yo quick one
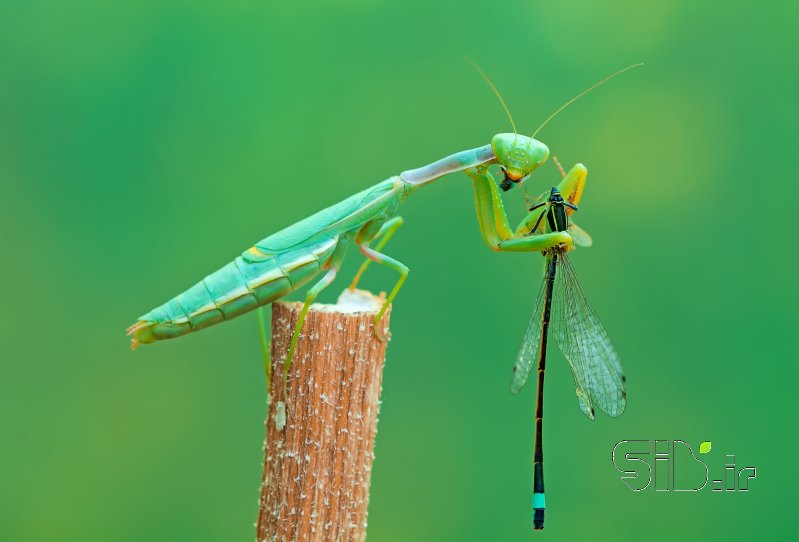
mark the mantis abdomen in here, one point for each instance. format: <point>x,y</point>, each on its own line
<point>275,266</point>
<point>235,289</point>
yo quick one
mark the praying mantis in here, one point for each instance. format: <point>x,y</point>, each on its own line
<point>314,248</point>
<point>291,258</point>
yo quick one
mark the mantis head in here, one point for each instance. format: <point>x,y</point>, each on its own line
<point>517,155</point>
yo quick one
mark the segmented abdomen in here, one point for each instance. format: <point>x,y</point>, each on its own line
<point>237,288</point>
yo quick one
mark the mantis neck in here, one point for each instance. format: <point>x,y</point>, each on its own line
<point>451,164</point>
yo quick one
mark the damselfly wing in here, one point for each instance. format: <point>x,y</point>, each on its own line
<point>581,337</point>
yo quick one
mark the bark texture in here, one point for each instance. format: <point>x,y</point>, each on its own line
<point>317,469</point>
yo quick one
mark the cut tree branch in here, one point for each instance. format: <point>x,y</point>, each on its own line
<point>317,469</point>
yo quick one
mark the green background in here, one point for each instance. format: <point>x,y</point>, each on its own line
<point>144,144</point>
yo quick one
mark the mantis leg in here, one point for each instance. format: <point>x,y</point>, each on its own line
<point>536,243</point>
<point>493,220</point>
<point>310,296</point>
<point>264,345</point>
<point>386,231</point>
<point>399,267</point>
<point>571,187</point>
<point>491,216</point>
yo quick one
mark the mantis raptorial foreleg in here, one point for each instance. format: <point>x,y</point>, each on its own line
<point>385,233</point>
<point>493,220</point>
<point>571,188</point>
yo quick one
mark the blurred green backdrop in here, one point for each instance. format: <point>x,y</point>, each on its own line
<point>144,144</point>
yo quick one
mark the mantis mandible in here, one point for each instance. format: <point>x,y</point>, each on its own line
<point>293,257</point>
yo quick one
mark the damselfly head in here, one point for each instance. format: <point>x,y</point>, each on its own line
<point>517,155</point>
<point>554,195</point>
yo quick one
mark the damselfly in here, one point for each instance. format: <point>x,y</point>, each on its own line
<point>562,311</point>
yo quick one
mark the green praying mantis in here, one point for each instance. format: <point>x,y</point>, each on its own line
<point>314,249</point>
<point>291,258</point>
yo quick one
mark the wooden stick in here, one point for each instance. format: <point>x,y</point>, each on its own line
<point>317,469</point>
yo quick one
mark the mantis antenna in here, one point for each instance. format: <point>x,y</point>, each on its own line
<point>583,93</point>
<point>487,80</point>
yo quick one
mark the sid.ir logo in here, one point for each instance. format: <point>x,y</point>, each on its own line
<point>671,465</point>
